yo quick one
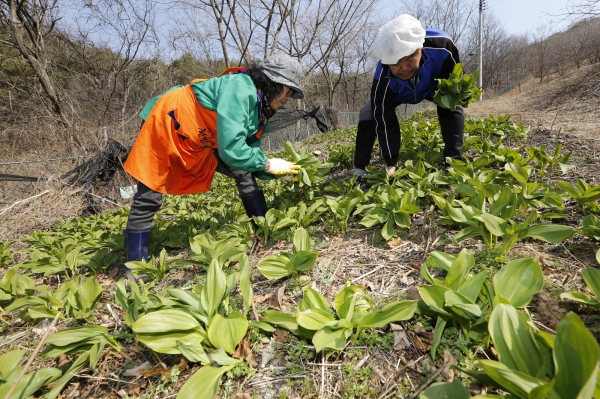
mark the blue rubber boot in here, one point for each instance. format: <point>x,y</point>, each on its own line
<point>136,248</point>
<point>255,203</point>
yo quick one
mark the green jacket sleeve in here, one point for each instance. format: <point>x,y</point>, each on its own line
<point>150,104</point>
<point>237,117</point>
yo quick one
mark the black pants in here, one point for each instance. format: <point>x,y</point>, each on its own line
<point>146,202</point>
<point>452,124</point>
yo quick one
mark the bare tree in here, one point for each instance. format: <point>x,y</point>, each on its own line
<point>583,8</point>
<point>452,16</point>
<point>117,44</point>
<point>30,23</point>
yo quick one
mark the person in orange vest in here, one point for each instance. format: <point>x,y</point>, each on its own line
<point>212,125</point>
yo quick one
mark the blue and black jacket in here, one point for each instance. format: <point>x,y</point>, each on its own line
<point>438,58</point>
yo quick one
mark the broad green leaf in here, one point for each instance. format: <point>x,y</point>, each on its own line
<point>9,363</point>
<point>304,260</point>
<point>592,279</point>
<point>221,358</point>
<point>25,301</point>
<point>192,350</point>
<point>459,269</point>
<point>204,383</point>
<point>333,336</point>
<point>245,285</point>
<point>263,326</point>
<point>514,341</point>
<point>433,296</point>
<point>446,390</point>
<point>575,359</point>
<point>301,240</point>
<point>165,321</point>
<point>518,281</point>
<point>75,368</point>
<point>493,224</point>
<point>76,335</point>
<point>30,383</point>
<point>581,298</point>
<point>227,332</point>
<point>314,319</point>
<point>313,300</point>
<point>440,324</point>
<point>363,300</point>
<point>548,232</point>
<point>280,319</point>
<point>214,289</point>
<point>346,311</point>
<point>472,286</point>
<point>275,267</point>
<point>440,260</point>
<point>167,342</point>
<point>395,311</point>
<point>387,232</point>
<point>513,381</point>
<point>462,306</point>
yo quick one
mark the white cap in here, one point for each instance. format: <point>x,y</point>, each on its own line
<point>400,37</point>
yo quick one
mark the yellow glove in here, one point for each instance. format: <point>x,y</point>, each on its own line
<point>280,167</point>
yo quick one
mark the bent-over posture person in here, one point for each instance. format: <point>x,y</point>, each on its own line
<point>411,59</point>
<point>214,125</point>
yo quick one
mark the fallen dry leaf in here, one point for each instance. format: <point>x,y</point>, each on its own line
<point>412,293</point>
<point>276,302</point>
<point>62,360</point>
<point>261,298</point>
<point>244,351</point>
<point>138,371</point>
<point>281,336</point>
<point>401,342</point>
<point>396,242</point>
<point>243,396</point>
<point>447,372</point>
<point>136,386</point>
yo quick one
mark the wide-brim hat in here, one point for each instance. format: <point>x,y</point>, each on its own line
<point>285,70</point>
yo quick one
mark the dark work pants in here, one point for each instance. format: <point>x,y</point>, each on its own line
<point>452,124</point>
<point>146,202</point>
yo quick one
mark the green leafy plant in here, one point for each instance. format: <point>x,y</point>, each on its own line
<point>465,299</point>
<point>156,269</point>
<point>583,193</point>
<point>353,307</point>
<point>390,207</point>
<point>591,276</point>
<point>76,298</point>
<point>458,89</point>
<point>10,370</point>
<point>534,364</point>
<point>284,264</point>
<point>88,340</point>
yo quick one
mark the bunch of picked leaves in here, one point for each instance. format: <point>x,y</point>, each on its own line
<point>458,89</point>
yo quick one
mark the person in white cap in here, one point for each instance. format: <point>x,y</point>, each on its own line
<point>210,125</point>
<point>411,59</point>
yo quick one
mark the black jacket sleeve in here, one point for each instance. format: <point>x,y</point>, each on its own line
<point>385,119</point>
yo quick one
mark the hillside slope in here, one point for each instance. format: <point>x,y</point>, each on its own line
<point>569,103</point>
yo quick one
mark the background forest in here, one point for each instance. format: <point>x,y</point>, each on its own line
<point>68,66</point>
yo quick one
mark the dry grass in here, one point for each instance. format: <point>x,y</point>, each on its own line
<point>49,203</point>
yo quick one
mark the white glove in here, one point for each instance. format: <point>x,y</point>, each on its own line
<point>278,167</point>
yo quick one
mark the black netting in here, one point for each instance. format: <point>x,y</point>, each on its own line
<point>324,117</point>
<point>101,168</point>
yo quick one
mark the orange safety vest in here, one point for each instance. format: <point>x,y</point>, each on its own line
<point>174,152</point>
